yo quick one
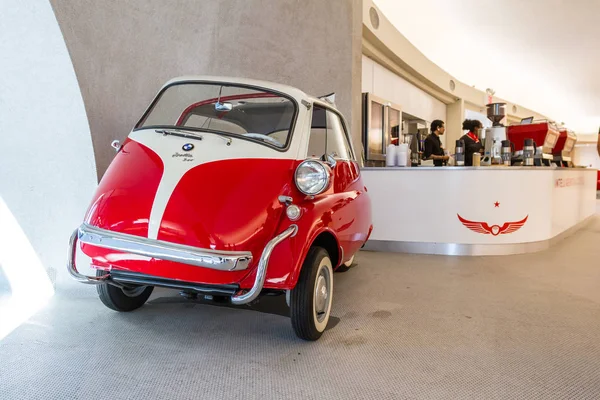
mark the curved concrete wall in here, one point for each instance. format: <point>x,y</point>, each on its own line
<point>47,169</point>
<point>124,51</point>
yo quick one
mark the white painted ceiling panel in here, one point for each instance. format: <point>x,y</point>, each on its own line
<point>541,54</point>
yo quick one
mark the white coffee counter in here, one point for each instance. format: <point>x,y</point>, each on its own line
<point>419,210</point>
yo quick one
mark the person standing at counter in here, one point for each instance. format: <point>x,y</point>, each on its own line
<point>471,139</point>
<point>433,145</point>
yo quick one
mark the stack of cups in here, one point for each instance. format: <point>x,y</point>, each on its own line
<point>390,156</point>
<point>402,155</point>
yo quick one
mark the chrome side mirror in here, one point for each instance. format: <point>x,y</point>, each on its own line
<point>328,158</point>
<point>223,107</point>
<point>116,145</point>
<point>331,160</point>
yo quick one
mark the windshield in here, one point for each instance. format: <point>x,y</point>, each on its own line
<point>261,116</point>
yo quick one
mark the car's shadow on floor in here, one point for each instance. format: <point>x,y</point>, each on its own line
<point>274,305</point>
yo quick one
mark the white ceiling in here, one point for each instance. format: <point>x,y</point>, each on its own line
<point>541,54</point>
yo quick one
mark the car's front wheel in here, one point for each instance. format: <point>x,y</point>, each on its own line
<point>311,299</point>
<point>123,299</point>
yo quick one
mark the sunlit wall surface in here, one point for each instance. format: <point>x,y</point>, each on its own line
<point>30,286</point>
<point>541,54</point>
<point>47,170</point>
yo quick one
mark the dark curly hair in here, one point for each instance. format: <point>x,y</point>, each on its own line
<point>471,125</point>
<point>436,124</point>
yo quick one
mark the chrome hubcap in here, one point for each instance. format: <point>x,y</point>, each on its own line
<point>134,292</point>
<point>322,294</point>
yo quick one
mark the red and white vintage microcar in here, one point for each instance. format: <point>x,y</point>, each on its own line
<point>229,188</point>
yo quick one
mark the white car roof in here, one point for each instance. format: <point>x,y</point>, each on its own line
<point>289,90</point>
<point>292,91</point>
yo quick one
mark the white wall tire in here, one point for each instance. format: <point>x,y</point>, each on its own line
<point>349,262</point>
<point>312,298</point>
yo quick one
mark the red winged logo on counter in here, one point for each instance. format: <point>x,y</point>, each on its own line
<point>485,229</point>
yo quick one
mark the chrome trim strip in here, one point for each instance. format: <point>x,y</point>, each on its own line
<point>73,269</point>
<point>219,260</point>
<point>461,249</point>
<point>261,270</point>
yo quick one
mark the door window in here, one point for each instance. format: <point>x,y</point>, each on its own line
<point>328,135</point>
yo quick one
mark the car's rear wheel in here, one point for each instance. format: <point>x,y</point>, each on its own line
<point>123,299</point>
<point>345,266</point>
<point>311,299</point>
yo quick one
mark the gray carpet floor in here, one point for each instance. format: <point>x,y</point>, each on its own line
<point>404,327</point>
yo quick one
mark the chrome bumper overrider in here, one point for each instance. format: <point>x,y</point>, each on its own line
<point>218,260</point>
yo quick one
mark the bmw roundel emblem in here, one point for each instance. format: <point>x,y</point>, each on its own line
<point>187,147</point>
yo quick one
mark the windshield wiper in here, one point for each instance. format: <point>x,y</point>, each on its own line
<point>176,132</point>
<point>192,135</point>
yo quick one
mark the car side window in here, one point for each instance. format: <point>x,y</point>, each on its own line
<point>342,136</point>
<point>327,135</point>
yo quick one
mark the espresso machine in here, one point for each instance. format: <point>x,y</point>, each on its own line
<point>494,136</point>
<point>564,147</point>
<point>544,135</point>
<point>416,134</point>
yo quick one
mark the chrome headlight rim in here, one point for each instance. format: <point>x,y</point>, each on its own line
<point>326,170</point>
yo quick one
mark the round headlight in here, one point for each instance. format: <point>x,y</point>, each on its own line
<point>312,177</point>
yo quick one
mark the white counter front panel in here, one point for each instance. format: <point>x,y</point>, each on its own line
<point>574,198</point>
<point>424,204</point>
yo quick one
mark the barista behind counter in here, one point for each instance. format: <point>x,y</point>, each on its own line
<point>433,145</point>
<point>471,139</point>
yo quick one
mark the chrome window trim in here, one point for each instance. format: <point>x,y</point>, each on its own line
<point>293,125</point>
<point>344,125</point>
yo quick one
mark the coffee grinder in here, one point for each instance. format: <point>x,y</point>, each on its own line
<point>495,135</point>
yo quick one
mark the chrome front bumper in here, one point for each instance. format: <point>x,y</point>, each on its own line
<point>218,260</point>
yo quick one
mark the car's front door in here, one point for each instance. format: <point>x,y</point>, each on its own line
<point>329,137</point>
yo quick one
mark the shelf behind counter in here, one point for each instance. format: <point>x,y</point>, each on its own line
<point>487,210</point>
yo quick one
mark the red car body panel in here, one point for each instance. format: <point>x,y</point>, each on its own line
<point>227,205</point>
<point>123,200</point>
